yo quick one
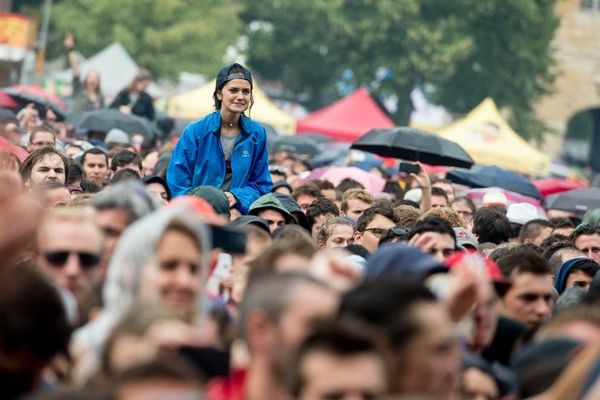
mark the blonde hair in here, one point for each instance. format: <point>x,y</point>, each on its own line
<point>447,214</point>
<point>74,215</point>
<point>357,194</point>
<point>406,215</point>
<point>78,215</point>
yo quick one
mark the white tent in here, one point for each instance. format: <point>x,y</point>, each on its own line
<point>116,67</point>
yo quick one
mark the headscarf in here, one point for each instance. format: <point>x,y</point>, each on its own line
<point>137,250</point>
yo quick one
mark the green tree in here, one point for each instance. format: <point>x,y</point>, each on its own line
<point>511,59</point>
<point>308,46</point>
<point>165,36</point>
<point>468,49</point>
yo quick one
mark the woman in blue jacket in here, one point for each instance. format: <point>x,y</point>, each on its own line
<point>224,149</point>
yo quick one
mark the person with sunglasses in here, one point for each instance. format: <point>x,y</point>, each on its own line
<point>68,250</point>
<point>372,225</point>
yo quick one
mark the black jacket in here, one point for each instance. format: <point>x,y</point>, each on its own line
<point>143,107</point>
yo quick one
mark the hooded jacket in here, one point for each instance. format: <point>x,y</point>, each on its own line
<point>198,160</point>
<point>560,279</point>
<point>271,201</point>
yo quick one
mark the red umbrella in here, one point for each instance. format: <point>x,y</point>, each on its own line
<point>8,102</point>
<point>16,151</point>
<point>40,92</point>
<point>550,186</point>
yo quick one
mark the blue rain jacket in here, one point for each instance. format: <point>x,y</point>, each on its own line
<point>198,160</point>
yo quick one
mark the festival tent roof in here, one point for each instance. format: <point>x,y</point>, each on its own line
<point>488,139</point>
<point>198,102</point>
<point>347,119</point>
<point>115,65</point>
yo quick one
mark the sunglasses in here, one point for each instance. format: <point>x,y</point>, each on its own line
<point>59,258</point>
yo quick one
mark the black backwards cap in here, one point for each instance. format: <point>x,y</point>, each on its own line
<point>231,72</point>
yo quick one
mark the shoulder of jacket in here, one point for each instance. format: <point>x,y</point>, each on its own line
<point>205,125</point>
<point>253,127</point>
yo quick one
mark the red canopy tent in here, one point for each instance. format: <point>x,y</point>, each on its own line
<point>347,119</point>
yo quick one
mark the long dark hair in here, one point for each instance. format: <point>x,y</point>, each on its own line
<point>142,75</point>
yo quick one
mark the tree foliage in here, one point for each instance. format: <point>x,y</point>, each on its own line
<point>467,49</point>
<point>511,59</point>
<point>165,36</point>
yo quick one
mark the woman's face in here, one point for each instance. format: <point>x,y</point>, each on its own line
<point>176,278</point>
<point>142,85</point>
<point>235,96</point>
<point>92,81</point>
<point>159,191</point>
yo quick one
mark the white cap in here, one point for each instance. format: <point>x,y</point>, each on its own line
<point>117,136</point>
<point>521,213</point>
<point>495,197</point>
<point>413,195</point>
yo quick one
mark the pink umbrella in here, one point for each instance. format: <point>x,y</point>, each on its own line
<point>477,196</point>
<point>335,175</point>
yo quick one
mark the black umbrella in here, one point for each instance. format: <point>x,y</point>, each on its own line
<point>481,176</point>
<point>578,201</point>
<point>41,103</point>
<point>413,144</point>
<point>317,137</point>
<point>105,119</point>
<point>298,145</point>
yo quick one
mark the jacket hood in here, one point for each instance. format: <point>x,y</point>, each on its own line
<point>560,279</point>
<point>271,201</point>
<point>136,252</point>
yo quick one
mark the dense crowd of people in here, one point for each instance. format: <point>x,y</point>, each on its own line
<point>201,266</point>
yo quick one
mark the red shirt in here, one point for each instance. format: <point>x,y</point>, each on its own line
<point>230,388</point>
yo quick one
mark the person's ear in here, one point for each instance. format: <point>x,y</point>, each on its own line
<point>357,237</point>
<point>219,95</point>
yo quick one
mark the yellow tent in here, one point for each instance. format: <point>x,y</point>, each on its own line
<point>198,102</point>
<point>487,138</point>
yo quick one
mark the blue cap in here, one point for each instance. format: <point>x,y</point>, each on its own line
<point>400,260</point>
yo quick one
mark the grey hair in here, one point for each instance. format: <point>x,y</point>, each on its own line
<point>133,197</point>
<point>272,294</point>
<point>327,228</point>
